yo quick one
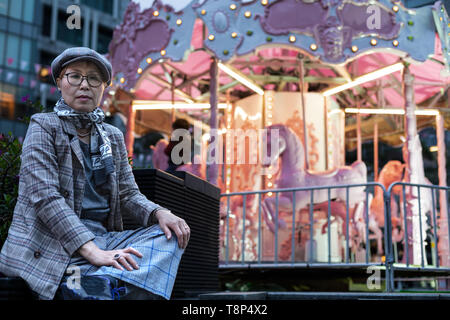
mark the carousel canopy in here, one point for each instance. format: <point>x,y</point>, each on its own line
<point>163,49</point>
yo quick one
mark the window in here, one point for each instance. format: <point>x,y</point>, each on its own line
<point>104,38</point>
<point>12,51</point>
<point>4,7</point>
<point>46,20</point>
<point>101,5</point>
<point>15,9</point>
<point>2,45</point>
<point>28,13</point>
<point>25,55</point>
<point>73,37</point>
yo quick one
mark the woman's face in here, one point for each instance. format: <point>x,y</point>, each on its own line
<point>82,97</point>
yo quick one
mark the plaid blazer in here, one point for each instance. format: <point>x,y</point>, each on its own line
<point>46,229</point>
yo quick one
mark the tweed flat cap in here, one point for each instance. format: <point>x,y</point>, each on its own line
<point>72,55</point>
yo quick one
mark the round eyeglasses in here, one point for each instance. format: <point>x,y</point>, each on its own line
<point>75,79</point>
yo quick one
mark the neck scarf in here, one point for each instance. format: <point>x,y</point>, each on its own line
<point>101,155</point>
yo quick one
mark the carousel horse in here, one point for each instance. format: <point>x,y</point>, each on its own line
<point>415,204</point>
<point>392,172</point>
<point>290,151</point>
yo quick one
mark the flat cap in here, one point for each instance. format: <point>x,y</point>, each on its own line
<point>76,54</point>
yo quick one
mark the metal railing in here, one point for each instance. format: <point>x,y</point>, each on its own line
<point>252,235</point>
<point>424,202</point>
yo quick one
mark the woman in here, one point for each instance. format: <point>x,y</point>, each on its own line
<point>66,237</point>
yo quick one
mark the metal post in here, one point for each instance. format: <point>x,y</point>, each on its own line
<point>305,131</point>
<point>444,251</point>
<point>212,167</point>
<point>389,258</point>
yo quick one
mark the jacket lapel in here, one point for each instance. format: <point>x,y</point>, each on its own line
<point>70,129</point>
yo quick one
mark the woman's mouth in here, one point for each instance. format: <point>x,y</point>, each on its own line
<point>84,98</point>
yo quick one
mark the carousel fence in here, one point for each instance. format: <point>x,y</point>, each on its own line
<point>236,229</point>
<point>429,208</point>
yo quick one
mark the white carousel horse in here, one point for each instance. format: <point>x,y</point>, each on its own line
<point>290,151</point>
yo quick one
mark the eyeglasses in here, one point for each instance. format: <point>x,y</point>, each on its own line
<point>75,79</point>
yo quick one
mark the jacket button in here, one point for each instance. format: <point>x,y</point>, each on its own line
<point>37,254</point>
<point>65,193</point>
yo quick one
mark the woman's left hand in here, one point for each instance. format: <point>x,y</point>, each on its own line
<point>168,221</point>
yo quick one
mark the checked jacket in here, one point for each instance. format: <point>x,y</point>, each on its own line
<point>46,229</point>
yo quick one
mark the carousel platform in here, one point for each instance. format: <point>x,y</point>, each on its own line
<point>321,296</point>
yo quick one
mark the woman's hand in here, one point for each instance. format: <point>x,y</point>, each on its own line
<point>168,221</point>
<point>119,259</point>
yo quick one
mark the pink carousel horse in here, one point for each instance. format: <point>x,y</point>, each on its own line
<point>290,151</point>
<point>293,175</point>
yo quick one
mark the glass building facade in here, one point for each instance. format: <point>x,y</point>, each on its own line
<point>32,34</point>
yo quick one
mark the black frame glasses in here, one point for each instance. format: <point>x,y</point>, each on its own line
<point>91,79</point>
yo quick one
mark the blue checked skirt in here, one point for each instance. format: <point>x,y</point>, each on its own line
<point>157,268</point>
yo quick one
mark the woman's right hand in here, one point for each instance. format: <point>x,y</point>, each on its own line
<point>119,259</point>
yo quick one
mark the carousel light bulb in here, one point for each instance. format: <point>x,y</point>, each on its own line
<point>247,14</point>
<point>163,52</point>
<point>156,13</point>
<point>395,8</point>
<point>269,184</point>
<point>179,22</point>
<point>234,35</point>
<point>203,12</point>
<point>354,48</point>
<point>270,194</point>
<point>149,60</point>
<point>373,42</point>
<point>264,2</point>
<point>139,70</point>
<point>232,6</point>
<point>211,37</point>
<point>269,176</point>
<point>395,43</point>
<point>313,47</point>
<point>292,39</point>
<point>122,80</point>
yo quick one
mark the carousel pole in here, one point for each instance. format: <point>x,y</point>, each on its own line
<point>302,92</point>
<point>375,151</point>
<point>443,244</point>
<point>381,103</point>
<point>414,173</point>
<point>129,138</point>
<point>212,166</point>
<point>358,132</point>
<point>172,87</point>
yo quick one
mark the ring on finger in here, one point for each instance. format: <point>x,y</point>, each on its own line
<point>117,256</point>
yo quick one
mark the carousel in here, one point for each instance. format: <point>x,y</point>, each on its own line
<point>277,92</point>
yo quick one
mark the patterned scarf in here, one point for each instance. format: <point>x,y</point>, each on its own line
<point>101,155</point>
